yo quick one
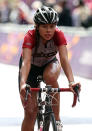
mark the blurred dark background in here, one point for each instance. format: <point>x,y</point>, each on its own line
<point>71,12</point>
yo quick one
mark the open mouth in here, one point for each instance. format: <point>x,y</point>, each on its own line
<point>48,36</point>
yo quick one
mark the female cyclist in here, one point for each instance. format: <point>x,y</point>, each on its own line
<point>38,57</point>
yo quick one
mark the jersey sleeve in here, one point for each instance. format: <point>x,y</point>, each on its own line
<point>28,41</point>
<point>59,38</point>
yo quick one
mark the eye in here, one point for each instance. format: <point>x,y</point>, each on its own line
<point>52,26</point>
<point>44,26</point>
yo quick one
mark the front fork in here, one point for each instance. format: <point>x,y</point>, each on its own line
<point>40,118</point>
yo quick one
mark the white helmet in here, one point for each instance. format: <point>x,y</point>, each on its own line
<point>46,15</point>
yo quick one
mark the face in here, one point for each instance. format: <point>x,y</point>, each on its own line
<point>47,31</point>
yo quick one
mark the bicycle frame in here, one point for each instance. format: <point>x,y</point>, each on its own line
<point>49,89</point>
<point>44,114</point>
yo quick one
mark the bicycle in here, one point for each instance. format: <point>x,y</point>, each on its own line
<point>45,116</point>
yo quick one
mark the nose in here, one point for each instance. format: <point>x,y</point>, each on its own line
<point>48,29</point>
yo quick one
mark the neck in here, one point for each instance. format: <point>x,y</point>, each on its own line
<point>43,40</point>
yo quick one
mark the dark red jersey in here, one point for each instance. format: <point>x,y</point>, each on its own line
<point>44,53</point>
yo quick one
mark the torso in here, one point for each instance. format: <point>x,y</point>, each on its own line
<point>45,52</point>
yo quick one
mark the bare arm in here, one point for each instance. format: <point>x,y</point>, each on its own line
<point>26,65</point>
<point>65,63</point>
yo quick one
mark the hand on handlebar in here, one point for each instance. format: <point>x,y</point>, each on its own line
<point>25,95</point>
<point>75,88</point>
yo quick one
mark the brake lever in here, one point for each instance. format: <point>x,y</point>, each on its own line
<point>76,89</point>
<point>27,92</point>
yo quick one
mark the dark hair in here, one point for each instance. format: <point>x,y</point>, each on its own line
<point>37,36</point>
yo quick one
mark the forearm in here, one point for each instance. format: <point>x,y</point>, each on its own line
<point>24,72</point>
<point>67,70</point>
<point>65,63</point>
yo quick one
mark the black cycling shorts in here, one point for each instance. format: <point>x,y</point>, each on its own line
<point>35,71</point>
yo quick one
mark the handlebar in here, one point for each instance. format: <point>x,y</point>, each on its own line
<point>49,89</point>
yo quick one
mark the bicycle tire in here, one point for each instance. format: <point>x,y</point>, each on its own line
<point>50,122</point>
<point>39,119</point>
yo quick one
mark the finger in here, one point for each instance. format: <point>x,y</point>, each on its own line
<point>25,104</point>
<point>29,96</point>
<point>23,92</point>
<point>72,89</point>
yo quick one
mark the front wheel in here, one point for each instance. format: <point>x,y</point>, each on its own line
<point>50,123</point>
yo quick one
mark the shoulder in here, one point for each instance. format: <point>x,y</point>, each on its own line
<point>59,38</point>
<point>29,39</point>
<point>58,32</point>
<point>30,34</point>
